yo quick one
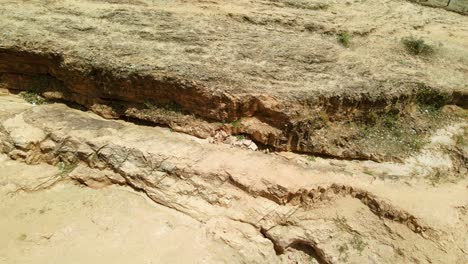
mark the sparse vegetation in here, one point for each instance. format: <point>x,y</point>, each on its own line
<point>324,118</point>
<point>311,158</point>
<point>390,119</point>
<point>149,105</point>
<point>240,137</point>
<point>237,123</point>
<point>171,108</point>
<point>431,99</point>
<point>417,46</point>
<point>460,140</point>
<point>344,38</point>
<point>33,98</point>
<point>390,134</point>
<point>65,168</point>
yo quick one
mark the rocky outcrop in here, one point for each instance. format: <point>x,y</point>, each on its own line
<point>459,6</point>
<point>206,181</point>
<point>190,107</point>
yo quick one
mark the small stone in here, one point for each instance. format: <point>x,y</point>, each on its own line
<point>253,146</point>
<point>246,142</point>
<point>47,145</point>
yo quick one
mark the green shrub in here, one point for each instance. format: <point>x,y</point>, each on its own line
<point>431,99</point>
<point>417,46</point>
<point>236,123</point>
<point>344,38</point>
<point>33,98</point>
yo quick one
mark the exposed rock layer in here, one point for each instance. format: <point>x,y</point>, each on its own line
<point>313,209</point>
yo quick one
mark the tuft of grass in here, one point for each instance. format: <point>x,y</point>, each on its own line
<point>311,158</point>
<point>344,38</point>
<point>417,46</point>
<point>431,99</point>
<point>240,137</point>
<point>460,140</point>
<point>390,133</point>
<point>390,119</point>
<point>324,118</point>
<point>172,107</point>
<point>65,168</point>
<point>33,98</point>
<point>149,105</point>
<point>236,123</point>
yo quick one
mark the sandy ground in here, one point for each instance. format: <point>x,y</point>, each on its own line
<point>73,224</point>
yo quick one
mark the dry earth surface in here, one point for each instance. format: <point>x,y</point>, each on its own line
<point>272,131</point>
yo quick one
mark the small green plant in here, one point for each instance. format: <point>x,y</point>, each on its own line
<point>33,98</point>
<point>240,137</point>
<point>417,46</point>
<point>344,38</point>
<point>431,99</point>
<point>236,123</point>
<point>358,243</point>
<point>417,143</point>
<point>311,158</point>
<point>390,119</point>
<point>172,107</point>
<point>460,140</point>
<point>65,168</point>
<point>324,118</point>
<point>149,105</point>
<point>372,118</point>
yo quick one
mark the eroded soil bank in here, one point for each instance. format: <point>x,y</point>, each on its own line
<point>271,131</point>
<point>241,205</point>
